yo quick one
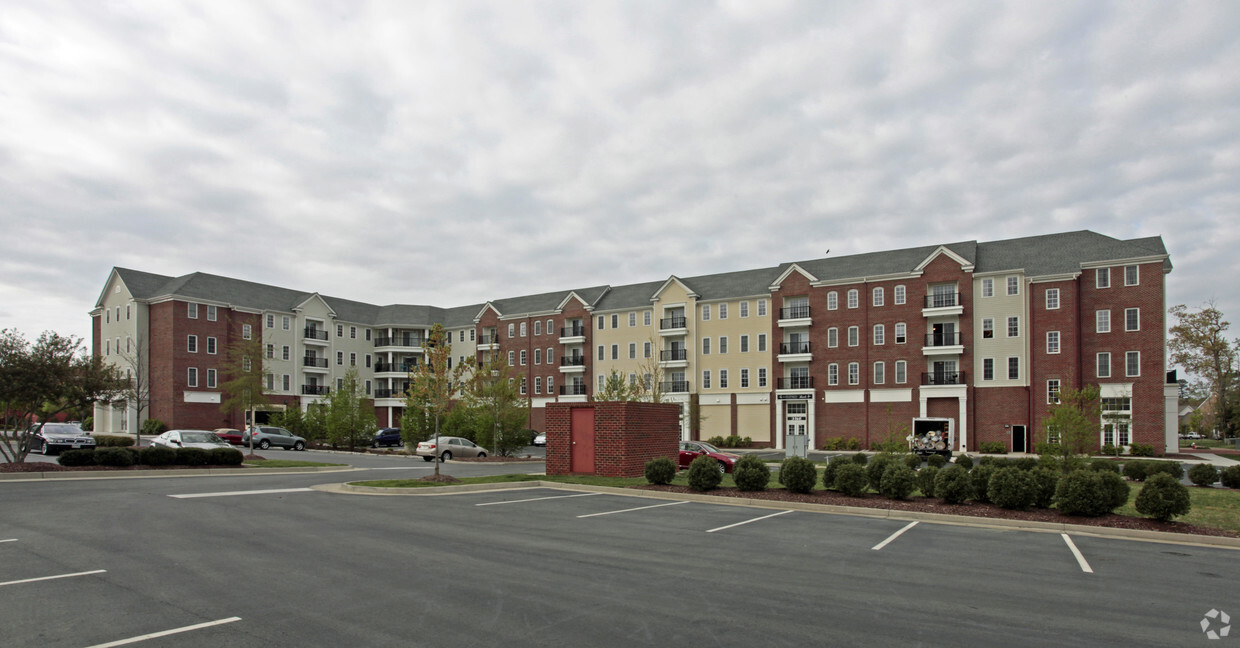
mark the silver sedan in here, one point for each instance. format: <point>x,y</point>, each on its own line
<point>449,447</point>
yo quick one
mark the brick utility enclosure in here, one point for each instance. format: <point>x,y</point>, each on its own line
<point>625,436</point>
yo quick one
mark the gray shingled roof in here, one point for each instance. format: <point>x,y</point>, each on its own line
<point>1063,253</point>
<point>874,264</point>
<point>628,296</point>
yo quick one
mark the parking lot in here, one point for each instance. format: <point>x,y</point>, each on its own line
<point>268,561</point>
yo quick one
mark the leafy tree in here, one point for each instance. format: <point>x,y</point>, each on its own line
<point>616,388</point>
<point>1076,418</point>
<point>350,418</point>
<point>137,366</point>
<point>649,387</point>
<point>50,376</point>
<point>293,420</point>
<point>492,401</point>
<point>314,422</point>
<point>432,384</point>
<point>1197,342</point>
<point>245,376</point>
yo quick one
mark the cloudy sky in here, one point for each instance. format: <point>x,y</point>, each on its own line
<point>451,152</point>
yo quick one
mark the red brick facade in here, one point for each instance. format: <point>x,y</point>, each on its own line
<point>626,436</point>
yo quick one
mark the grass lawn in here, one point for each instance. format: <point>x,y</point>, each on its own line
<point>288,463</point>
<point>1212,507</point>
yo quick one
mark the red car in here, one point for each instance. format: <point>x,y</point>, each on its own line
<point>690,450</point>
<point>230,435</point>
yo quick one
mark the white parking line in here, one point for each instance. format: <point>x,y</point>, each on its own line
<point>893,536</point>
<point>165,633</point>
<point>9,540</point>
<point>45,578</point>
<point>640,508</point>
<point>746,522</point>
<point>536,499</point>
<point>251,492</point>
<point>402,468</point>
<point>1080,559</point>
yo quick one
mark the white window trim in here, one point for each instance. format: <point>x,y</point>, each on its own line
<point>1138,313</point>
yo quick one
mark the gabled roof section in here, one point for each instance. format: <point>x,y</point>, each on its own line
<point>965,264</point>
<point>315,297</point>
<point>668,282</point>
<point>791,268</point>
<point>142,285</point>
<point>572,294</point>
<point>743,283</point>
<point>629,296</point>
<point>887,263</point>
<point>1064,253</point>
<point>544,302</point>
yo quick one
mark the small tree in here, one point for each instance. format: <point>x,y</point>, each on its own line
<point>1163,497</point>
<point>649,387</point>
<point>432,384</point>
<point>350,418</point>
<point>245,375</point>
<point>139,390</point>
<point>1076,418</point>
<point>495,405</point>
<point>51,376</point>
<point>616,388</point>
<point>1198,343</point>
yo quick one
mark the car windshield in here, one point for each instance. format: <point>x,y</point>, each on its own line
<point>707,447</point>
<point>199,437</point>
<point>61,428</point>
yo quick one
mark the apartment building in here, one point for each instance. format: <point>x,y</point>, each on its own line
<point>973,338</point>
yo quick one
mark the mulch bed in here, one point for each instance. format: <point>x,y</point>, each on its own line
<point>970,509</point>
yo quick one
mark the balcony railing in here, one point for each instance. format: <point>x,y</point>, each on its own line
<point>399,340</point>
<point>488,339</point>
<point>943,378</point>
<point>943,300</point>
<point>793,347</point>
<point>942,339</point>
<point>672,323</point>
<point>385,392</point>
<point>572,390</point>
<point>315,390</point>
<point>381,367</point>
<point>675,386</point>
<point>794,312</point>
<point>315,334</point>
<point>573,331</point>
<point>572,361</point>
<point>795,382</point>
<point>310,361</point>
<point>671,355</point>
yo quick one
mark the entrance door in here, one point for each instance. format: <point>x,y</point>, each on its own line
<point>1020,439</point>
<point>581,435</point>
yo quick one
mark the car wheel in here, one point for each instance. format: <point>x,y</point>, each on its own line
<point>374,444</point>
<point>446,456</point>
<point>482,454</point>
<point>299,446</point>
<point>427,458</point>
<point>723,468</point>
<point>264,444</point>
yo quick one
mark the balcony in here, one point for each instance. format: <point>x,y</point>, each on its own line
<point>392,367</point>
<point>389,393</point>
<point>315,335</point>
<point>943,344</point>
<point>488,342</point>
<point>573,335</point>
<point>572,390</point>
<point>572,363</point>
<point>794,351</point>
<point>411,341</point>
<point>795,382</point>
<point>314,362</point>
<point>943,378</point>
<point>315,390</point>
<point>794,316</point>
<point>674,386</point>
<point>942,304</point>
<point>674,357</point>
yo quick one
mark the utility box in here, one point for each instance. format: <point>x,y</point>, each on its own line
<point>610,438</point>
<point>796,445</point>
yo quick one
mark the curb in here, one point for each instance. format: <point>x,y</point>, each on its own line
<point>1164,537</point>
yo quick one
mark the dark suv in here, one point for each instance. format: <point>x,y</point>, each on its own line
<point>387,437</point>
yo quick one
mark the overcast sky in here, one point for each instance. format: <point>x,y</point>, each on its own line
<point>450,152</point>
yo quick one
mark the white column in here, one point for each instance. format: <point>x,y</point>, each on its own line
<point>964,423</point>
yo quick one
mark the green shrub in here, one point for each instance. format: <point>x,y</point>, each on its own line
<point>1044,482</point>
<point>953,485</point>
<point>1048,448</point>
<point>913,460</point>
<point>936,461</point>
<point>991,461</point>
<point>1230,476</point>
<point>113,457</point>
<point>981,481</point>
<point>875,469</point>
<point>925,480</point>
<point>750,473</point>
<point>833,466</point>
<point>1111,450</point>
<point>861,458</point>
<point>992,447</point>
<point>964,461</point>
<point>76,458</point>
<point>1135,470</point>
<point>798,474</point>
<point>1024,463</point>
<point>1163,498</point>
<point>660,470</point>
<point>1104,464</point>
<point>1012,488</point>
<point>731,441</point>
<point>1082,492</point>
<point>1115,487</point>
<point>850,479</point>
<point>704,474</point>
<point>88,424</point>
<point>898,481</point>
<point>842,443</point>
<point>157,456</point>
<point>113,441</point>
<point>1173,468</point>
<point>890,446</point>
<point>1050,462</point>
<point>1203,474</point>
<point>194,456</point>
<point>231,457</point>
<point>1141,450</point>
<point>153,427</point>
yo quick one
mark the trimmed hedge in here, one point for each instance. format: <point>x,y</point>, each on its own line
<point>1012,488</point>
<point>964,461</point>
<point>1141,450</point>
<point>1135,470</point>
<point>992,447</point>
<point>842,443</point>
<point>953,485</point>
<point>153,427</point>
<point>157,456</point>
<point>850,479</point>
<point>1163,498</point>
<point>925,480</point>
<point>1090,493</point>
<point>225,457</point>
<point>1044,482</point>
<point>193,456</point>
<point>74,458</point>
<point>1230,476</point>
<point>704,474</point>
<point>751,474</point>
<point>913,460</point>
<point>832,468</point>
<point>936,461</point>
<point>113,441</point>
<point>1203,475</point>
<point>660,470</point>
<point>875,469</point>
<point>861,458</point>
<point>981,481</point>
<point>798,474</point>
<point>898,481</point>
<point>120,457</point>
<point>1104,464</point>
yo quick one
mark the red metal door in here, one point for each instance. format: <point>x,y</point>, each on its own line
<point>581,435</point>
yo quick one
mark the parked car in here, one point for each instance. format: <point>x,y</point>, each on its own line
<point>540,439</point>
<point>54,437</point>
<point>230,435</point>
<point>387,437</point>
<point>266,436</point>
<point>449,447</point>
<point>189,439</point>
<point>690,450</point>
